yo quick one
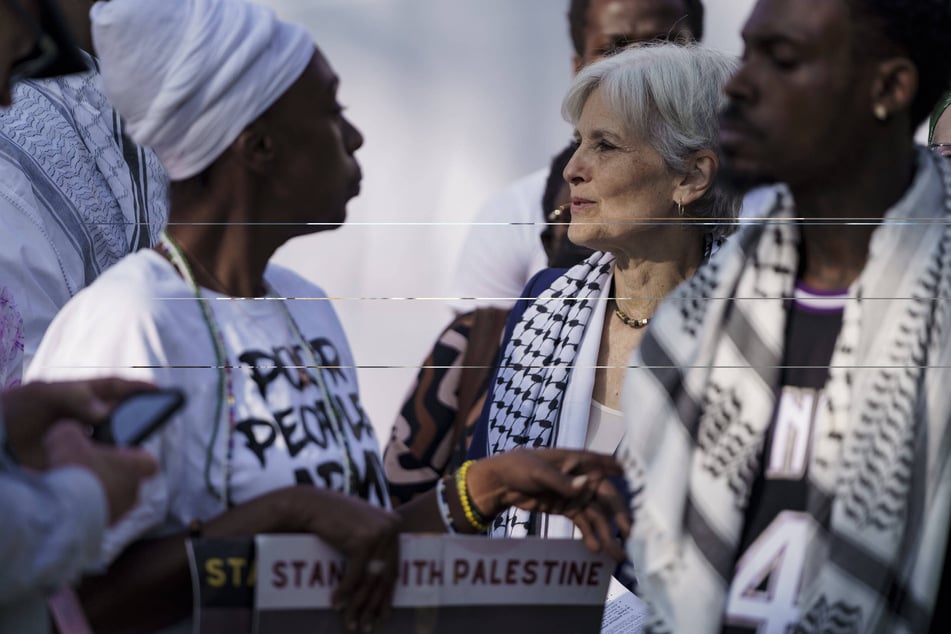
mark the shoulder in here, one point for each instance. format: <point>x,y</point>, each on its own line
<point>538,284</point>
<point>140,276</point>
<point>122,324</point>
<point>759,203</point>
<point>41,116</point>
<point>307,302</point>
<point>290,284</point>
<point>140,287</point>
<point>542,280</point>
<point>519,201</point>
<point>527,185</point>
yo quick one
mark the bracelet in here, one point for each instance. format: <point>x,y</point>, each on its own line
<point>443,503</point>
<point>476,520</point>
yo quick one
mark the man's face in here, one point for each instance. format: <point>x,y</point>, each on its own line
<point>613,24</point>
<point>800,101</point>
<point>16,39</point>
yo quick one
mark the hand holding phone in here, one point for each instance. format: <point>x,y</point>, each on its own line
<point>138,416</point>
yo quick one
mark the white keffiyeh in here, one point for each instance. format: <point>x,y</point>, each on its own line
<point>702,399</point>
<point>534,376</point>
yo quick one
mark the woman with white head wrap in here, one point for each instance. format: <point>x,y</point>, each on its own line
<point>241,109</point>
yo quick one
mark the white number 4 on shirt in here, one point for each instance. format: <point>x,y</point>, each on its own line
<point>766,583</point>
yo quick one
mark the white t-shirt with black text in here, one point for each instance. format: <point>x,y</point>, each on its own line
<point>141,320</point>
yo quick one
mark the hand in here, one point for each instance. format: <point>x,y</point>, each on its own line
<point>119,470</point>
<point>369,536</point>
<point>556,481</point>
<point>31,409</point>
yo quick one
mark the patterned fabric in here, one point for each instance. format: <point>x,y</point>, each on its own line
<point>75,196</point>
<point>420,448</point>
<point>538,361</point>
<point>700,405</point>
<point>11,338</point>
<point>95,180</point>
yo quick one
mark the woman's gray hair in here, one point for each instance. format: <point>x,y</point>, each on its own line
<point>670,95</point>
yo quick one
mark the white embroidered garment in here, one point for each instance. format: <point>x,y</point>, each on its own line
<point>503,248</point>
<point>76,195</point>
<point>542,394</point>
<point>141,320</point>
<point>701,400</point>
<point>214,66</point>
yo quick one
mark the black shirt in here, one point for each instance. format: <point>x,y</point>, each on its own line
<point>781,518</point>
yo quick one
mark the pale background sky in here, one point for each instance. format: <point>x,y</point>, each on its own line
<point>456,98</point>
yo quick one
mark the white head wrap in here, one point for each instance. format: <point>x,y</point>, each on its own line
<point>189,75</point>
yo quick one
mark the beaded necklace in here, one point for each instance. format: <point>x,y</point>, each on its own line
<point>626,319</point>
<point>173,253</point>
<point>336,418</point>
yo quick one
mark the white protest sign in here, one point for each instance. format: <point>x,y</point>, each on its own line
<point>435,570</point>
<point>446,583</point>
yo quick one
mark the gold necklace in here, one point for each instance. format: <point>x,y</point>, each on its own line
<point>630,321</point>
<point>625,319</point>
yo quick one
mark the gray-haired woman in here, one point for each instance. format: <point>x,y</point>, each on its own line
<point>644,196</point>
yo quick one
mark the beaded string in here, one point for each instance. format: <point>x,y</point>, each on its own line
<point>172,252</point>
<point>336,422</point>
<point>473,516</point>
<point>443,502</point>
<point>168,248</point>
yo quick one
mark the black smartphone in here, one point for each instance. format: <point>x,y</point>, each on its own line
<point>138,416</point>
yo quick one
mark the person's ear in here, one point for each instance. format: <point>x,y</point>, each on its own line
<point>700,176</point>
<point>254,147</point>
<point>577,63</point>
<point>894,87</point>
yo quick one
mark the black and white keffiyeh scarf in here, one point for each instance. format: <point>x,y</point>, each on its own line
<point>536,366</point>
<point>702,398</point>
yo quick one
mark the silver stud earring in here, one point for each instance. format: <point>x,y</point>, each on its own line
<point>880,111</point>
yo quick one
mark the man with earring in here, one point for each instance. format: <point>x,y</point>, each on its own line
<point>788,411</point>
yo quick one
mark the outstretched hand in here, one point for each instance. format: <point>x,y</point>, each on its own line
<point>30,410</point>
<point>556,481</point>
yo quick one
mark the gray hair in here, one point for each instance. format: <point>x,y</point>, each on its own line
<point>670,96</point>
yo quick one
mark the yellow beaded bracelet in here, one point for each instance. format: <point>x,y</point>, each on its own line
<point>473,516</point>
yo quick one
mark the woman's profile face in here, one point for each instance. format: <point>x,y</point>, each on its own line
<point>619,185</point>
<point>316,144</point>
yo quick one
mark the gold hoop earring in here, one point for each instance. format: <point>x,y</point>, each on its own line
<point>880,111</point>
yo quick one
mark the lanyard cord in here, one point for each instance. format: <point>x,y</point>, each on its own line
<point>173,253</point>
<point>336,419</point>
